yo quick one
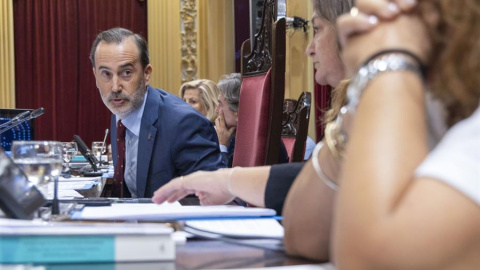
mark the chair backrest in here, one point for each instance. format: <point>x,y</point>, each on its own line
<point>258,132</point>
<point>296,115</point>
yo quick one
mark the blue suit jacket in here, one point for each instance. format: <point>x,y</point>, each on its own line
<point>174,140</point>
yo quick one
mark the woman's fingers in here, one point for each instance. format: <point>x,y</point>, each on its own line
<point>385,9</point>
<point>173,191</point>
<point>381,8</point>
<point>353,24</point>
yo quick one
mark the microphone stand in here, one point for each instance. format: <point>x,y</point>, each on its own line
<point>17,120</point>
<point>103,146</point>
<point>55,203</point>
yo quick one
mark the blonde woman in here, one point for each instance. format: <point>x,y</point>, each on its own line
<point>202,95</point>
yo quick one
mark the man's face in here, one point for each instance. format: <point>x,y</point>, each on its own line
<point>229,115</point>
<point>324,53</point>
<point>120,77</point>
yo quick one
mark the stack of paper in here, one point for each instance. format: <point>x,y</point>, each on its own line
<point>238,228</point>
<point>166,211</point>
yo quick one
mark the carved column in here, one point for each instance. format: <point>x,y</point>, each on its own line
<point>188,16</point>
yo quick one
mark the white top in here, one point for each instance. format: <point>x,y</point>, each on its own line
<point>456,159</point>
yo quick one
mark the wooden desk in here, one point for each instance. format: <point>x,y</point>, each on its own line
<point>209,254</point>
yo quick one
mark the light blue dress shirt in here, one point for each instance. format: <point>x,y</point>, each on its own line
<point>132,122</point>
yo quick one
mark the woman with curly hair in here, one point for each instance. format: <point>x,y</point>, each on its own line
<point>409,191</point>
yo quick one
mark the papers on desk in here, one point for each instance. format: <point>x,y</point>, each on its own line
<point>79,179</point>
<point>67,186</point>
<point>167,211</point>
<point>238,228</point>
<point>326,266</point>
<point>63,194</point>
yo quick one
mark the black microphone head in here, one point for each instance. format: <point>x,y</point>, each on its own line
<point>81,145</point>
<point>36,113</point>
<point>86,152</point>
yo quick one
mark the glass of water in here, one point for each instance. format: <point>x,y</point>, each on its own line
<point>98,149</point>
<point>41,161</point>
<point>70,149</point>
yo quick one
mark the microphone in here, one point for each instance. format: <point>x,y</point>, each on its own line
<point>86,152</point>
<point>104,140</point>
<point>20,118</point>
<point>36,113</point>
<point>16,118</point>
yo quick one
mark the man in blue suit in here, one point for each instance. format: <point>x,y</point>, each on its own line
<point>164,137</point>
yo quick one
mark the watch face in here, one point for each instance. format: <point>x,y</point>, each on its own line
<point>18,197</point>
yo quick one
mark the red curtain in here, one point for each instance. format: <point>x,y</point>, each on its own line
<point>52,67</point>
<point>322,104</point>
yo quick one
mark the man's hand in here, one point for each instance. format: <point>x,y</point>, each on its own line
<point>210,187</point>
<point>223,133</point>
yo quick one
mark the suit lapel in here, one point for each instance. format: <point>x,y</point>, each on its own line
<point>146,139</point>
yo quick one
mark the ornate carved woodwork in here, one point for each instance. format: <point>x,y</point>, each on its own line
<point>188,15</point>
<point>260,59</point>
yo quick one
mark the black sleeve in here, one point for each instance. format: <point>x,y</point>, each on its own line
<point>282,154</point>
<point>278,184</point>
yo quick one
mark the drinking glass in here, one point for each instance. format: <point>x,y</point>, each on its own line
<point>41,161</point>
<point>98,148</point>
<point>70,149</point>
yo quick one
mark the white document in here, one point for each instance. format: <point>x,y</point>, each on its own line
<point>78,178</point>
<point>167,211</point>
<point>240,228</point>
<point>37,227</point>
<point>64,194</point>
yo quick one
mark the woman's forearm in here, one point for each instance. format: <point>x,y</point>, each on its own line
<point>249,184</point>
<point>386,144</point>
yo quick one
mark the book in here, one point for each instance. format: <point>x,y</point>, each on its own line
<point>58,242</point>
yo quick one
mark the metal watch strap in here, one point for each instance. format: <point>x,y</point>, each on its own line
<point>376,66</point>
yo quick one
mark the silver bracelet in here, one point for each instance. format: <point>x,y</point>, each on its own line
<point>394,61</point>
<point>316,165</point>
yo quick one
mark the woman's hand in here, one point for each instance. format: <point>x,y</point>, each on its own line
<point>223,133</point>
<point>362,33</point>
<point>210,187</point>
<point>385,9</point>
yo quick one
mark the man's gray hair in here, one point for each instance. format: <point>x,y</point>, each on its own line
<point>229,86</point>
<point>118,35</point>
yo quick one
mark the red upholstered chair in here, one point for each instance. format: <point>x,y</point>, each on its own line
<point>258,132</point>
<point>296,116</point>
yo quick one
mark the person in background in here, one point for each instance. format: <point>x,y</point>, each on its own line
<point>159,136</point>
<point>409,193</point>
<point>309,145</point>
<point>289,106</point>
<point>307,232</point>
<point>226,122</point>
<point>202,95</point>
